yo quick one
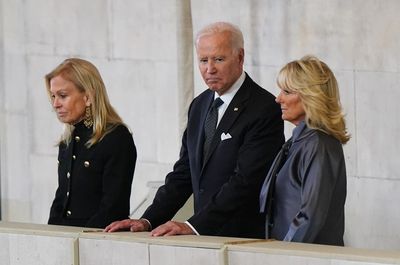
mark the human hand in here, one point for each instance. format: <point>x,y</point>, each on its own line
<point>134,225</point>
<point>172,228</point>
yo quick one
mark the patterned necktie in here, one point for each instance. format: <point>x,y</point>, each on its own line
<point>210,124</point>
<point>268,188</point>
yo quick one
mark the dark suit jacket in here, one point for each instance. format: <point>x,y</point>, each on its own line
<point>227,184</point>
<point>94,183</point>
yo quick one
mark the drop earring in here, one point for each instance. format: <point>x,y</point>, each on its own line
<point>88,119</point>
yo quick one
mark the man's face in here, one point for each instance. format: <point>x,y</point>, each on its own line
<point>220,65</point>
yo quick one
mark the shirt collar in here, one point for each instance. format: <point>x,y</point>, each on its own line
<point>298,130</point>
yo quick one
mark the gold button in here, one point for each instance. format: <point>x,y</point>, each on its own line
<point>67,193</point>
<point>68,175</point>
<point>77,138</point>
<point>74,157</point>
<point>69,213</point>
<point>86,163</point>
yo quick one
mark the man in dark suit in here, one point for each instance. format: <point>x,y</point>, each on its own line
<point>222,164</point>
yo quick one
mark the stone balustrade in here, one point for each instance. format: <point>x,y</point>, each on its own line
<point>33,244</point>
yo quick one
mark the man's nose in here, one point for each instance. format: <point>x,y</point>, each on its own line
<point>211,67</point>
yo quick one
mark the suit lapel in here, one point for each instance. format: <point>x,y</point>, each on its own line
<point>237,105</point>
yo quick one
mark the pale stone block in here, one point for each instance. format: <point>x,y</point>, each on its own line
<point>15,168</point>
<point>15,87</point>
<point>17,158</point>
<point>44,184</point>
<point>40,28</point>
<point>98,252</point>
<point>371,217</point>
<point>19,249</point>
<point>279,252</point>
<point>136,31</point>
<point>377,126</point>
<point>68,34</point>
<point>13,27</point>
<point>377,35</point>
<point>251,258</point>
<point>348,262</point>
<point>5,249</point>
<point>167,109</point>
<point>171,255</point>
<point>208,11</point>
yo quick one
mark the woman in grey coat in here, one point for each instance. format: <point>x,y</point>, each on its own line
<point>304,193</point>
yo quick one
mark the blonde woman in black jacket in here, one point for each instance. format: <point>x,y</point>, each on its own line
<point>97,155</point>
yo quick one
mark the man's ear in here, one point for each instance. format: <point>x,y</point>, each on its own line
<point>241,56</point>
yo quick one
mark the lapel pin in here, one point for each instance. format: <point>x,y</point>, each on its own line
<point>235,109</point>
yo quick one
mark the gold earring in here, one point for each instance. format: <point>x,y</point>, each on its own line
<point>88,119</point>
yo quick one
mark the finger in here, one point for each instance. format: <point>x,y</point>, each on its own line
<point>136,228</point>
<point>172,233</point>
<point>159,231</point>
<point>118,225</point>
<point>110,226</point>
<point>168,229</point>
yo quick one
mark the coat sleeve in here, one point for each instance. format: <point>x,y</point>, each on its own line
<point>320,169</point>
<point>119,166</point>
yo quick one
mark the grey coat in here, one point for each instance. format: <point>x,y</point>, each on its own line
<point>310,190</point>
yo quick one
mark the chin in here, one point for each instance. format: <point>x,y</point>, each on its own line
<point>213,88</point>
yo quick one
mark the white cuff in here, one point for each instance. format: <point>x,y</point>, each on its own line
<point>191,227</point>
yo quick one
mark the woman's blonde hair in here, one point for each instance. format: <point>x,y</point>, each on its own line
<point>318,90</point>
<point>87,79</point>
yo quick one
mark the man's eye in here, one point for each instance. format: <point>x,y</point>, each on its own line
<point>203,60</point>
<point>219,59</point>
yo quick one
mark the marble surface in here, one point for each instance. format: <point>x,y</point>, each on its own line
<point>23,243</point>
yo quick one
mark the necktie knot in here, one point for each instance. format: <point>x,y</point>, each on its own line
<point>217,103</point>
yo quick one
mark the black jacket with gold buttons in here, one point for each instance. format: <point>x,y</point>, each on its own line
<point>94,183</point>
